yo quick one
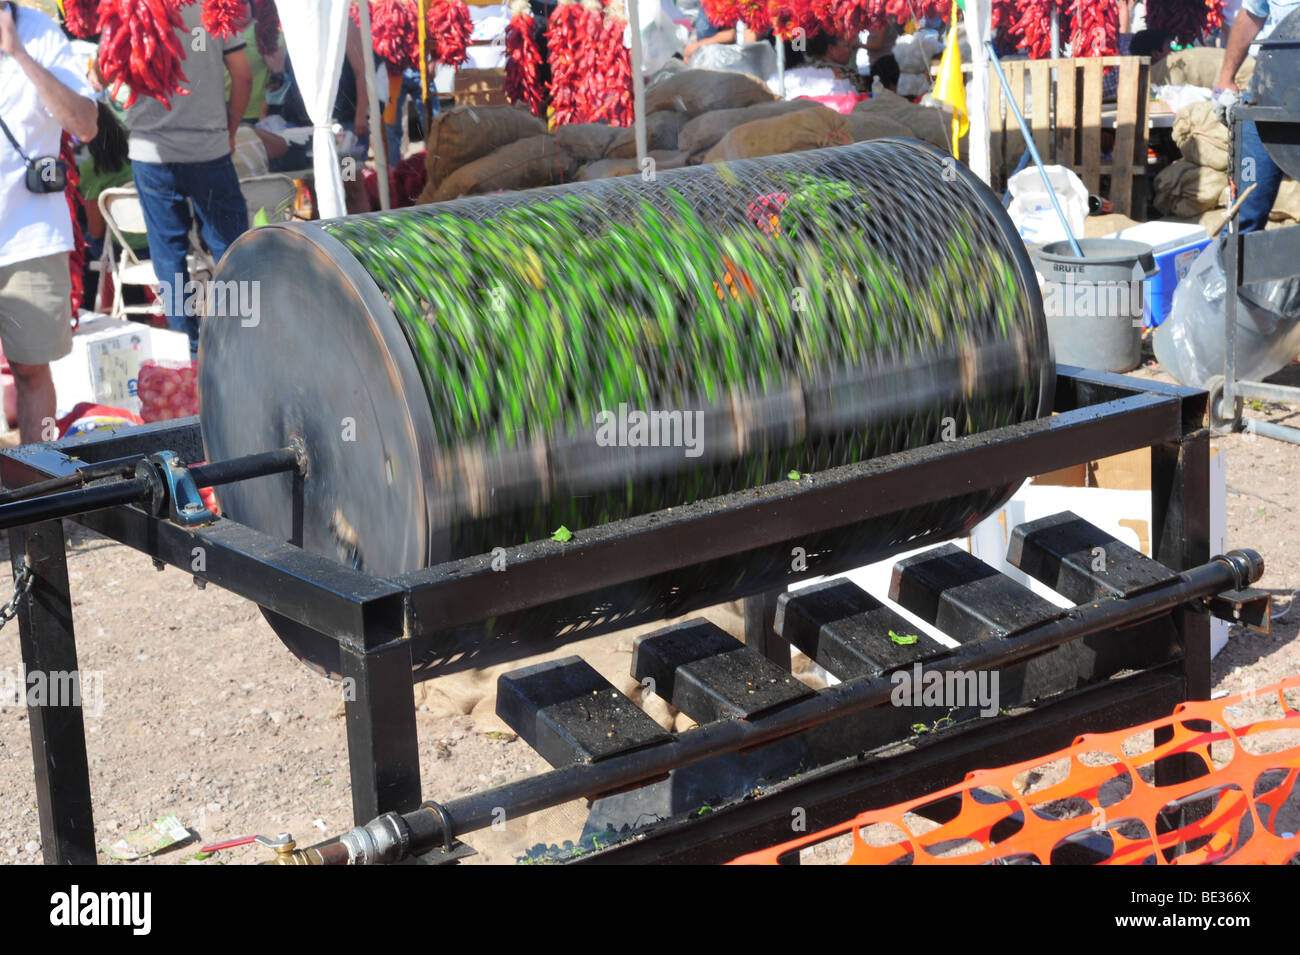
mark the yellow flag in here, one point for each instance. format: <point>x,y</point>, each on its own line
<point>949,86</point>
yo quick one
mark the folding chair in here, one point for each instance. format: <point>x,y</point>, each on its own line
<point>123,213</point>
<point>272,194</point>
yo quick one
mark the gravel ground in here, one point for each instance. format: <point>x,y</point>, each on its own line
<point>204,713</point>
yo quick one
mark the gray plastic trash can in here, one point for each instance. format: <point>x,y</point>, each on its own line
<point>1094,303</point>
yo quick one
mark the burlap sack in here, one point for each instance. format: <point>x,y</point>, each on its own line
<point>527,164</point>
<point>661,130</point>
<point>702,133</point>
<point>1197,66</point>
<point>466,133</point>
<point>1094,227</point>
<point>700,91</point>
<point>926,123</point>
<point>1211,220</point>
<point>864,126</point>
<point>1186,190</point>
<point>1286,208</point>
<point>605,168</point>
<point>1200,136</point>
<point>586,142</point>
<point>793,132</point>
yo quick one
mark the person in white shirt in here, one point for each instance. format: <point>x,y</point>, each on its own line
<point>43,91</point>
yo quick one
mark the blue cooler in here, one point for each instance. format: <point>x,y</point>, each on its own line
<point>1175,246</point>
<point>1173,266</point>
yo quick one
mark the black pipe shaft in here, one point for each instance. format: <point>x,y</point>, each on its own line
<point>27,509</point>
<point>80,501</point>
<point>1233,572</point>
<point>87,472</point>
<point>241,469</point>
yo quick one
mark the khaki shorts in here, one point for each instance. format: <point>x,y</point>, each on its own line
<point>36,309</point>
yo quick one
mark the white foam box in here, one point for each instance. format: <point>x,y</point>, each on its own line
<point>104,365</point>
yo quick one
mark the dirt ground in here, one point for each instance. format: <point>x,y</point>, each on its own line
<point>205,715</point>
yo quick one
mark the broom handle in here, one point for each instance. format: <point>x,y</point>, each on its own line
<point>1033,150</point>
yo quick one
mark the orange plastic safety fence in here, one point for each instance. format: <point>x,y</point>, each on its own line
<point>1108,808</point>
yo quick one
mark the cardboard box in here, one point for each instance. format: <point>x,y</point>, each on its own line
<point>104,364</point>
<point>481,87</point>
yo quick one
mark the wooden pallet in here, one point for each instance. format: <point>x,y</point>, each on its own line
<point>1062,102</point>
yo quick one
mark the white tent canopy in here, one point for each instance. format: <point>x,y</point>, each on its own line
<point>315,36</point>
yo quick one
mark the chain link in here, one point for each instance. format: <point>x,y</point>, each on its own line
<point>22,585</point>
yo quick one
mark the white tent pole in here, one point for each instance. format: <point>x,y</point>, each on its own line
<point>638,81</point>
<point>979,28</point>
<point>378,139</point>
<point>780,66</point>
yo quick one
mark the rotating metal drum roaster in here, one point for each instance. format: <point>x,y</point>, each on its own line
<point>468,375</point>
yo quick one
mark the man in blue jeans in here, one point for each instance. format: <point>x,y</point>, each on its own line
<point>1255,21</point>
<point>181,157</point>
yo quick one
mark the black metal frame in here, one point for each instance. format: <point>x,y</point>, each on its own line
<point>374,620</point>
<point>1248,258</point>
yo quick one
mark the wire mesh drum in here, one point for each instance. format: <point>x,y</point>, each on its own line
<point>477,373</point>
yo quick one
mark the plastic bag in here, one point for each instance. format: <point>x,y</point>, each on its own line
<point>167,389</point>
<point>1031,207</point>
<point>661,37</point>
<point>756,59</point>
<point>1189,343</point>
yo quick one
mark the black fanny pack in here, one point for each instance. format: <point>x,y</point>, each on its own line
<point>45,173</point>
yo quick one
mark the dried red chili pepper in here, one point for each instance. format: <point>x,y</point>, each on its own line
<point>1094,27</point>
<point>81,17</point>
<point>267,33</point>
<point>449,28</point>
<point>613,97</point>
<point>140,48</point>
<point>394,31</point>
<point>562,52</point>
<point>224,18</point>
<point>72,193</point>
<point>523,60</point>
<point>1183,21</point>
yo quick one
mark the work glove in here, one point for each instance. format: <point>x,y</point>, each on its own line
<point>1225,101</point>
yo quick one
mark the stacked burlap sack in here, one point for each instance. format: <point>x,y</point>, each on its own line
<point>1196,186</point>
<point>692,116</point>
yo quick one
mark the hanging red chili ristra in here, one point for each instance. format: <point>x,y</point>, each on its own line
<point>523,60</point>
<point>1094,27</point>
<point>721,13</point>
<point>590,85</point>
<point>81,17</point>
<point>450,27</point>
<point>72,193</point>
<point>140,48</point>
<point>394,31</point>
<point>267,32</point>
<point>1033,27</point>
<point>562,51</point>
<point>224,18</point>
<point>614,67</point>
